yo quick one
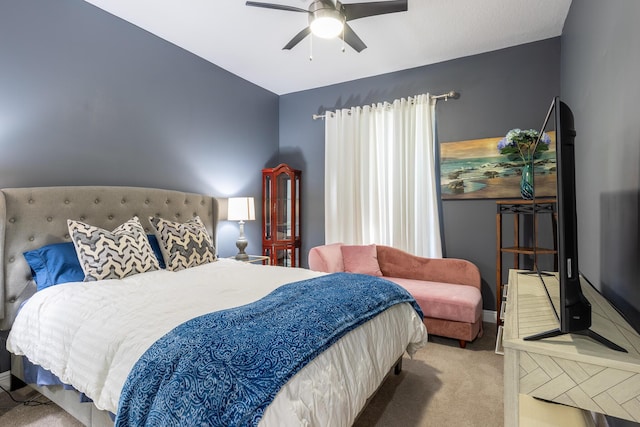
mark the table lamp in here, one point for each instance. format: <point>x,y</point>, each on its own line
<point>241,209</point>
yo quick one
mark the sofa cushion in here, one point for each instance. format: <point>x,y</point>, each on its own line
<point>460,303</point>
<point>361,259</point>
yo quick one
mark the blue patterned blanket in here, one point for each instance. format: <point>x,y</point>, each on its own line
<point>225,368</point>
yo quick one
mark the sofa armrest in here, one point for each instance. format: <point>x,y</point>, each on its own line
<point>326,258</point>
<point>396,263</point>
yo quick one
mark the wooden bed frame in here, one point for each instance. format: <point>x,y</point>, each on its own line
<point>34,217</point>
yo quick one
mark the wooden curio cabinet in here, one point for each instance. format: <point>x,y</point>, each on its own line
<point>281,215</point>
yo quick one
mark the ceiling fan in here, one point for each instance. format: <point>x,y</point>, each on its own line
<point>328,20</point>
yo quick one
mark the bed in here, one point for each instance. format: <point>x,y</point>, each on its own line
<point>329,387</point>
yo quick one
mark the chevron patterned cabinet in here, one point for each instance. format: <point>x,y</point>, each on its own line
<point>569,369</point>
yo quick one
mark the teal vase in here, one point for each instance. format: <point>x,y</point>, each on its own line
<point>526,182</point>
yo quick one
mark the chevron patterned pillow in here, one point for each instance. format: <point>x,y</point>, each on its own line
<point>183,245</point>
<point>116,254</point>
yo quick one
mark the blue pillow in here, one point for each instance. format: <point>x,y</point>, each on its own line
<point>54,264</point>
<point>153,241</point>
<point>58,263</point>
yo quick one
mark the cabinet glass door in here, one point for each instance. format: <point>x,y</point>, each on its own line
<point>266,208</point>
<point>297,205</point>
<point>283,203</point>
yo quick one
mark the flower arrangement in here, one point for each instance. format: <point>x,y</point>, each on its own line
<point>523,144</point>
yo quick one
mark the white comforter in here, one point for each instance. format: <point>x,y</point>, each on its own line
<point>91,334</point>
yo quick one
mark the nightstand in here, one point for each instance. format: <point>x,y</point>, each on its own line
<point>255,259</point>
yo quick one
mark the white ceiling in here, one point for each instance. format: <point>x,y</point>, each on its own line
<point>248,41</point>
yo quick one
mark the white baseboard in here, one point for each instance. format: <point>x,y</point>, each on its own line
<point>490,316</point>
<point>5,380</point>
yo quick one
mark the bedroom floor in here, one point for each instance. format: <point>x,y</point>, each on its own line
<point>39,413</point>
<point>443,385</point>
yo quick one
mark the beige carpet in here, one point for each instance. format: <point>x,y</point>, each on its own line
<point>443,385</point>
<point>38,412</point>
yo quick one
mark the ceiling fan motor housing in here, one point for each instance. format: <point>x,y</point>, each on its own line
<point>324,4</point>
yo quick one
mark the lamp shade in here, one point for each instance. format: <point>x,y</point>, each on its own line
<point>241,209</point>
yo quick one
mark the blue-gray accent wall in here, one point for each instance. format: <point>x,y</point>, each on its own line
<point>599,75</point>
<point>599,81</point>
<point>87,98</point>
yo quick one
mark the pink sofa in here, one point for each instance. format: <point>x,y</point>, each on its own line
<point>447,289</point>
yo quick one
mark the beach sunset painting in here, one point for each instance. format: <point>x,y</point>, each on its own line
<point>474,169</point>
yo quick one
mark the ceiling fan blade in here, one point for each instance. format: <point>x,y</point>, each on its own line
<point>275,6</point>
<point>297,38</point>
<point>362,10</point>
<point>352,39</point>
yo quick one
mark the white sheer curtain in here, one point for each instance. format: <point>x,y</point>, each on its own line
<point>380,184</point>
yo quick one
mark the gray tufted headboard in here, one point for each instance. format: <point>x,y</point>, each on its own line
<point>34,217</point>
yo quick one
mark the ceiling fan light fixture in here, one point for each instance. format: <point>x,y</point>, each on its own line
<point>326,23</point>
<point>328,18</point>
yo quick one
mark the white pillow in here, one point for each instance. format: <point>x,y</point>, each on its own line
<point>112,254</point>
<point>183,245</point>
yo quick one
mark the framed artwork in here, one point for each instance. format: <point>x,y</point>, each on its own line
<point>474,169</point>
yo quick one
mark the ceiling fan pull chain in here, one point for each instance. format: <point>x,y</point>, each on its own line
<point>343,47</point>
<point>311,47</point>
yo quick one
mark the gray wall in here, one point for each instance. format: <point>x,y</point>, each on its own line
<point>89,99</point>
<point>498,91</point>
<point>599,81</point>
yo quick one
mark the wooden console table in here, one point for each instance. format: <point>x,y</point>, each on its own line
<point>569,369</point>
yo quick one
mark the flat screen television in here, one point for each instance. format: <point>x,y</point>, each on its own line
<point>574,311</point>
